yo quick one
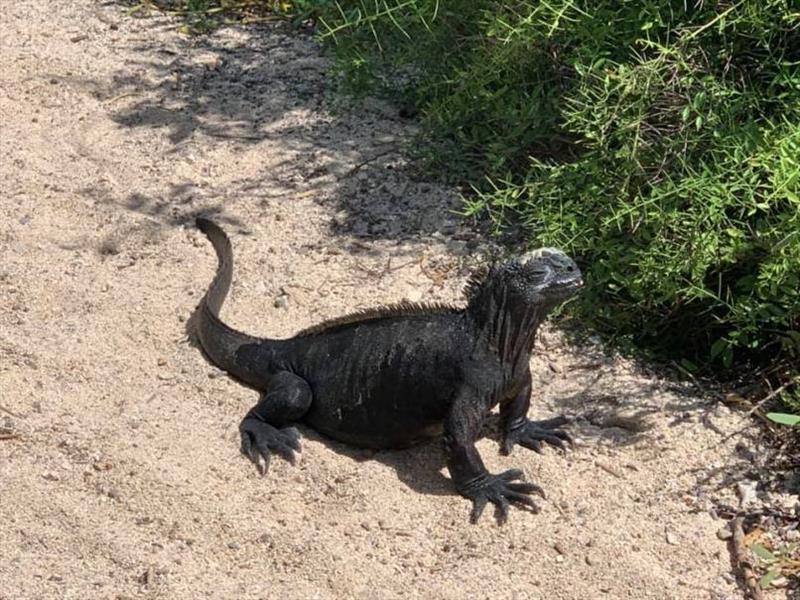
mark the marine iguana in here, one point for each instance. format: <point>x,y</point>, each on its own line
<point>398,374</point>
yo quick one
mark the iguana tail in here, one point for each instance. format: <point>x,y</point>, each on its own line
<point>219,341</point>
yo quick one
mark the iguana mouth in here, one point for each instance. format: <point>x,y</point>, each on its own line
<point>561,289</point>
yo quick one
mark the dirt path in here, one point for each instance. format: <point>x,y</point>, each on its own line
<point>122,476</point>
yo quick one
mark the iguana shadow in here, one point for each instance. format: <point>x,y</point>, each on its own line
<point>419,466</point>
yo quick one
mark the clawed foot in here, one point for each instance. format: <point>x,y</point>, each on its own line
<point>500,490</point>
<point>260,440</point>
<point>531,434</point>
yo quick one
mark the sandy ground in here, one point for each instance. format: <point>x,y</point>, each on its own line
<point>120,474</point>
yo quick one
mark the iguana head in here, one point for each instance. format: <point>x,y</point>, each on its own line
<point>545,277</point>
<point>524,288</point>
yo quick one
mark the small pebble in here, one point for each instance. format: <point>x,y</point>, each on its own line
<point>746,490</point>
<point>672,539</point>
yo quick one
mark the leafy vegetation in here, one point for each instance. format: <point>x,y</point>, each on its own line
<point>657,141</point>
<point>784,418</point>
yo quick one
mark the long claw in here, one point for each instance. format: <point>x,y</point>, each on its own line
<point>284,451</point>
<point>511,475</point>
<point>501,490</point>
<point>534,445</point>
<point>553,423</point>
<point>261,440</point>
<point>534,434</point>
<point>526,488</point>
<point>502,507</point>
<point>292,439</point>
<point>246,445</point>
<point>477,509</point>
<point>263,463</point>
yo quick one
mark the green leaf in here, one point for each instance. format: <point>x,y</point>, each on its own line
<point>784,418</point>
<point>762,552</point>
<point>767,578</point>
<point>718,347</point>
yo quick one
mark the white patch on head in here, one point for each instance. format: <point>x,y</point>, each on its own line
<point>540,253</point>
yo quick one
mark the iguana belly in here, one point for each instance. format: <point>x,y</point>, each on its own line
<point>378,422</point>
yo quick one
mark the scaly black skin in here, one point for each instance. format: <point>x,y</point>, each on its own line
<point>396,375</point>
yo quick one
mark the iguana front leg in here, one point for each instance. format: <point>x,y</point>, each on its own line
<point>518,429</point>
<point>264,428</point>
<point>462,428</point>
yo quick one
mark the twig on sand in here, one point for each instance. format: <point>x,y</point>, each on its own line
<point>773,394</point>
<point>9,411</point>
<point>365,162</point>
<point>743,561</point>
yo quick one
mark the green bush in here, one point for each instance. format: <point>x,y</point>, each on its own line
<point>657,141</point>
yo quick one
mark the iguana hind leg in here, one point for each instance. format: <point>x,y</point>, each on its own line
<point>265,429</point>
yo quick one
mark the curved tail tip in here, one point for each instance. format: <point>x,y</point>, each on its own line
<point>203,224</point>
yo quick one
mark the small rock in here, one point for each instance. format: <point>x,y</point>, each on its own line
<point>746,490</point>
<point>745,451</point>
<point>589,560</point>
<point>672,539</point>
<point>147,577</point>
<point>559,548</point>
<point>281,302</point>
<point>109,246</point>
<point>457,247</point>
<point>724,533</point>
<point>264,538</point>
<point>50,476</point>
<point>779,582</point>
<point>233,545</point>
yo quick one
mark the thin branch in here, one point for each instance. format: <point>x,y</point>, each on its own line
<point>742,559</point>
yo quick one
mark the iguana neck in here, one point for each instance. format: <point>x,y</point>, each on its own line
<point>510,330</point>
